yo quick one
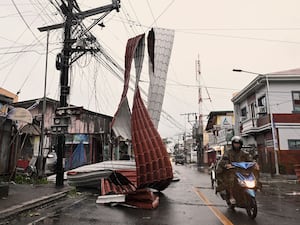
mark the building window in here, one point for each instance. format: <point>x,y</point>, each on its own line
<point>262,106</point>
<point>243,113</point>
<point>261,101</point>
<point>294,144</point>
<point>296,100</point>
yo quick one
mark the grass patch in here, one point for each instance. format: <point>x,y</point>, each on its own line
<point>74,193</point>
<point>21,179</point>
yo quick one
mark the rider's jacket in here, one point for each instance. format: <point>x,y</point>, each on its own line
<point>230,156</point>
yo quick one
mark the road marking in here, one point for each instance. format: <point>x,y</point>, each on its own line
<point>217,212</point>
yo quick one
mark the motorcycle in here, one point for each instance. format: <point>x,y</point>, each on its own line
<point>245,187</point>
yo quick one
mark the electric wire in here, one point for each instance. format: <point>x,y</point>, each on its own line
<point>21,52</point>
<point>16,41</point>
<point>28,75</point>
<point>166,115</point>
<point>128,21</point>
<point>19,37</point>
<point>194,32</point>
<point>26,80</point>
<point>241,37</point>
<point>25,22</point>
<point>17,57</point>
<point>103,63</point>
<point>41,8</point>
<point>205,87</point>
<point>242,29</point>
<point>16,14</point>
<point>108,67</point>
<point>56,6</point>
<point>119,68</point>
<point>110,95</point>
<point>153,17</point>
<point>27,45</point>
<point>176,31</point>
<point>178,84</point>
<point>136,17</point>
<point>163,12</point>
<point>156,24</point>
<point>24,51</point>
<point>95,76</point>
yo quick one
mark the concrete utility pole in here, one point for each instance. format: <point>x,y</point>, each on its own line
<point>64,90</point>
<point>63,62</point>
<point>193,122</point>
<point>199,131</point>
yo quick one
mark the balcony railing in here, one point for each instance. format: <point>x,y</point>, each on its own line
<point>263,120</point>
<point>255,124</point>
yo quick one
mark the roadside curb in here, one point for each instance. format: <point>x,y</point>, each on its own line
<point>25,206</point>
<point>269,179</point>
<point>279,181</point>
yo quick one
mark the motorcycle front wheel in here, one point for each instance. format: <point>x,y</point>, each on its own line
<point>252,208</point>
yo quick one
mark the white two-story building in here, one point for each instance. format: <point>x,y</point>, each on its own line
<point>219,130</point>
<point>271,101</point>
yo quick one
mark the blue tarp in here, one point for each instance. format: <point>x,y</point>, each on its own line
<point>78,158</point>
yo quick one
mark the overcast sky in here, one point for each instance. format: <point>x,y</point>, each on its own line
<point>260,36</point>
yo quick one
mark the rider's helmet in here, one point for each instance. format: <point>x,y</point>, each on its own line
<point>236,139</point>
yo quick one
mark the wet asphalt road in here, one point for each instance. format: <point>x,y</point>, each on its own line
<point>189,201</point>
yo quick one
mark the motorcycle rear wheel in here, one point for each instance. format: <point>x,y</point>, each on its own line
<point>252,208</point>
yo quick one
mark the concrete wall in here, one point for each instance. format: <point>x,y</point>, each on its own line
<point>281,96</point>
<point>286,133</point>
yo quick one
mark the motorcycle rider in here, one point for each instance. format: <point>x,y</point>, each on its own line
<point>225,176</point>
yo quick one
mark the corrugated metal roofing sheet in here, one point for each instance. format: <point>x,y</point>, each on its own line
<point>153,165</point>
<point>121,121</point>
<point>154,168</point>
<point>160,43</point>
<point>117,183</point>
<point>142,198</point>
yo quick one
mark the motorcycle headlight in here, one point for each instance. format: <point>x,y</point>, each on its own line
<point>50,155</point>
<point>247,183</point>
<point>250,183</point>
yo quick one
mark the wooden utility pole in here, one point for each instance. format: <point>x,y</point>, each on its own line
<point>64,90</point>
